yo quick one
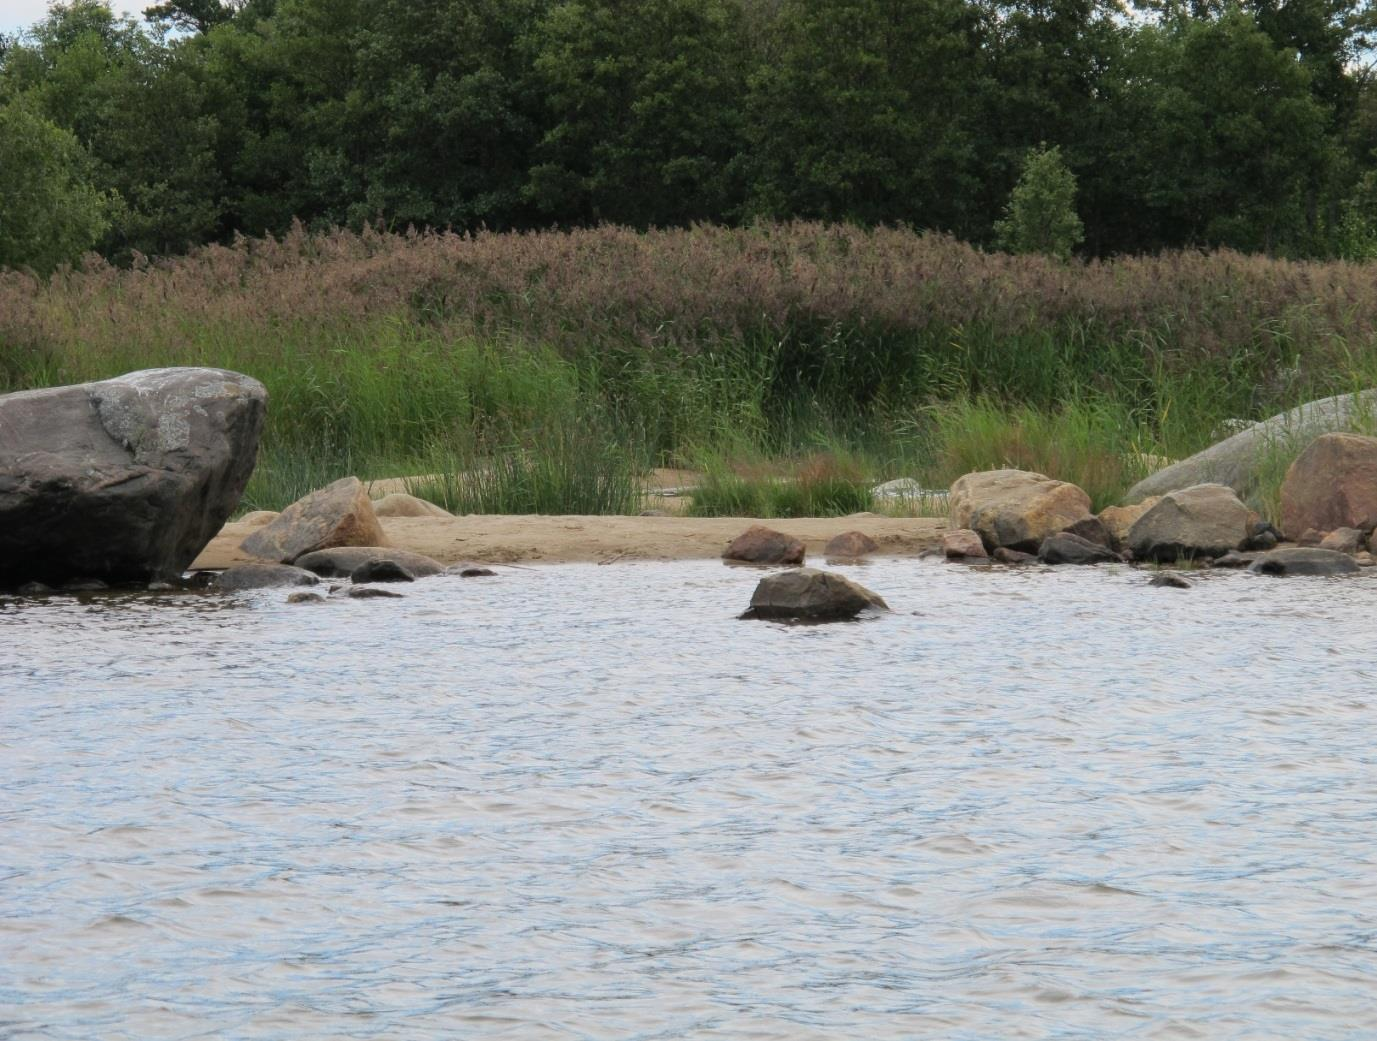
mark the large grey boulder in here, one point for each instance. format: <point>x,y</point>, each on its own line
<point>340,514</point>
<point>126,479</point>
<point>1207,520</point>
<point>1015,508</point>
<point>809,594</point>
<point>263,576</point>
<point>1238,461</point>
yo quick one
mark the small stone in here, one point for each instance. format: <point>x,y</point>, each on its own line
<point>1005,555</point>
<point>477,572</point>
<point>1167,580</point>
<point>963,544</point>
<point>380,571</point>
<point>34,589</point>
<point>761,545</point>
<point>371,593</point>
<point>1310,537</point>
<point>84,585</point>
<point>1343,540</point>
<point>1261,537</point>
<point>161,587</point>
<point>264,576</point>
<point>1235,559</point>
<point>305,598</point>
<point>809,594</point>
<point>1364,559</point>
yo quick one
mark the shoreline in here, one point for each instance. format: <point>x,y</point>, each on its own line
<point>512,539</point>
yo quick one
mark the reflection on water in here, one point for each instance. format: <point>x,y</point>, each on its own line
<point>585,802</point>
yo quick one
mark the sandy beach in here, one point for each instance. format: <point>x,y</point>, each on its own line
<point>521,539</point>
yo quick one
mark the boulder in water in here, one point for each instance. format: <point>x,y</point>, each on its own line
<point>343,561</point>
<point>1205,521</point>
<point>126,479</point>
<point>761,545</point>
<point>381,570</point>
<point>1015,508</point>
<point>263,576</point>
<point>963,544</point>
<point>1304,560</point>
<point>1068,548</point>
<point>809,594</point>
<point>850,545</point>
<point>340,514</point>
<point>1332,484</point>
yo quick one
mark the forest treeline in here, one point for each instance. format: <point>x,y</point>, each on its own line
<point>1202,124</point>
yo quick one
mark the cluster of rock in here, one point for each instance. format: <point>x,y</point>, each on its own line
<point>803,593</point>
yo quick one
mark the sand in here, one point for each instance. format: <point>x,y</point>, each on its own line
<point>539,539</point>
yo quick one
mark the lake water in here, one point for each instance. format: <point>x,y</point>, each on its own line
<point>585,802</point>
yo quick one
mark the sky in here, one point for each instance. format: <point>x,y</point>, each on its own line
<point>20,14</point>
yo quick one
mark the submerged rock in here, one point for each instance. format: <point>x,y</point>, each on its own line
<point>371,593</point>
<point>761,545</point>
<point>1166,580</point>
<point>305,598</point>
<point>380,571</point>
<point>809,594</point>
<point>264,576</point>
<point>340,514</point>
<point>1205,521</point>
<point>470,571</point>
<point>1332,484</point>
<point>124,480</point>
<point>343,561</point>
<point>1304,561</point>
<point>1015,508</point>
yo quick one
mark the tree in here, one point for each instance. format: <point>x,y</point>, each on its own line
<point>49,212</point>
<point>1041,215</point>
<point>194,15</point>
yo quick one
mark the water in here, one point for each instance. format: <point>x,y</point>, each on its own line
<point>587,803</point>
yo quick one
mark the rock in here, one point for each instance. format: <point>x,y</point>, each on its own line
<point>1005,555</point>
<point>1205,521</point>
<point>340,514</point>
<point>811,595</point>
<point>264,576</point>
<point>84,585</point>
<point>1238,461</point>
<point>1067,548</point>
<point>653,513</point>
<point>380,571</point>
<point>761,545</point>
<point>1364,559</point>
<point>161,587</point>
<point>370,593</point>
<point>258,518</point>
<point>1235,559</point>
<point>1310,537</point>
<point>1343,540</point>
<point>1261,537</point>
<point>1015,508</point>
<point>343,561</point>
<point>1304,561</point>
<point>125,480</point>
<point>963,544</point>
<point>1117,520</point>
<point>399,504</point>
<point>472,572</point>
<point>1166,580</point>
<point>1092,529</point>
<point>305,598</point>
<point>34,589</point>
<point>850,544</point>
<point>1332,484</point>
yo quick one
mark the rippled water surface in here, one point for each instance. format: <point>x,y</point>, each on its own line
<point>586,802</point>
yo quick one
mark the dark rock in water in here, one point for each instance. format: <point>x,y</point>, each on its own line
<point>305,598</point>
<point>473,572</point>
<point>343,561</point>
<point>1343,540</point>
<point>162,587</point>
<point>1167,580</point>
<point>124,480</point>
<point>1092,529</point>
<point>1304,560</point>
<point>1066,548</point>
<point>1235,559</point>
<point>811,595</point>
<point>34,589</point>
<point>264,576</point>
<point>340,514</point>
<point>380,571</point>
<point>84,585</point>
<point>201,579</point>
<point>850,544</point>
<point>371,593</point>
<point>761,545</point>
<point>1005,555</point>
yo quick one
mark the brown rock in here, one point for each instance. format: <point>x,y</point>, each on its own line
<point>258,518</point>
<point>1166,580</point>
<point>1092,529</point>
<point>305,598</point>
<point>1310,537</point>
<point>400,504</point>
<point>761,545</point>
<point>1332,484</point>
<point>339,514</point>
<point>850,544</point>
<point>963,544</point>
<point>1005,555</point>
<point>811,595</point>
<point>1118,519</point>
<point>1015,508</point>
<point>343,561</point>
<point>1343,540</point>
